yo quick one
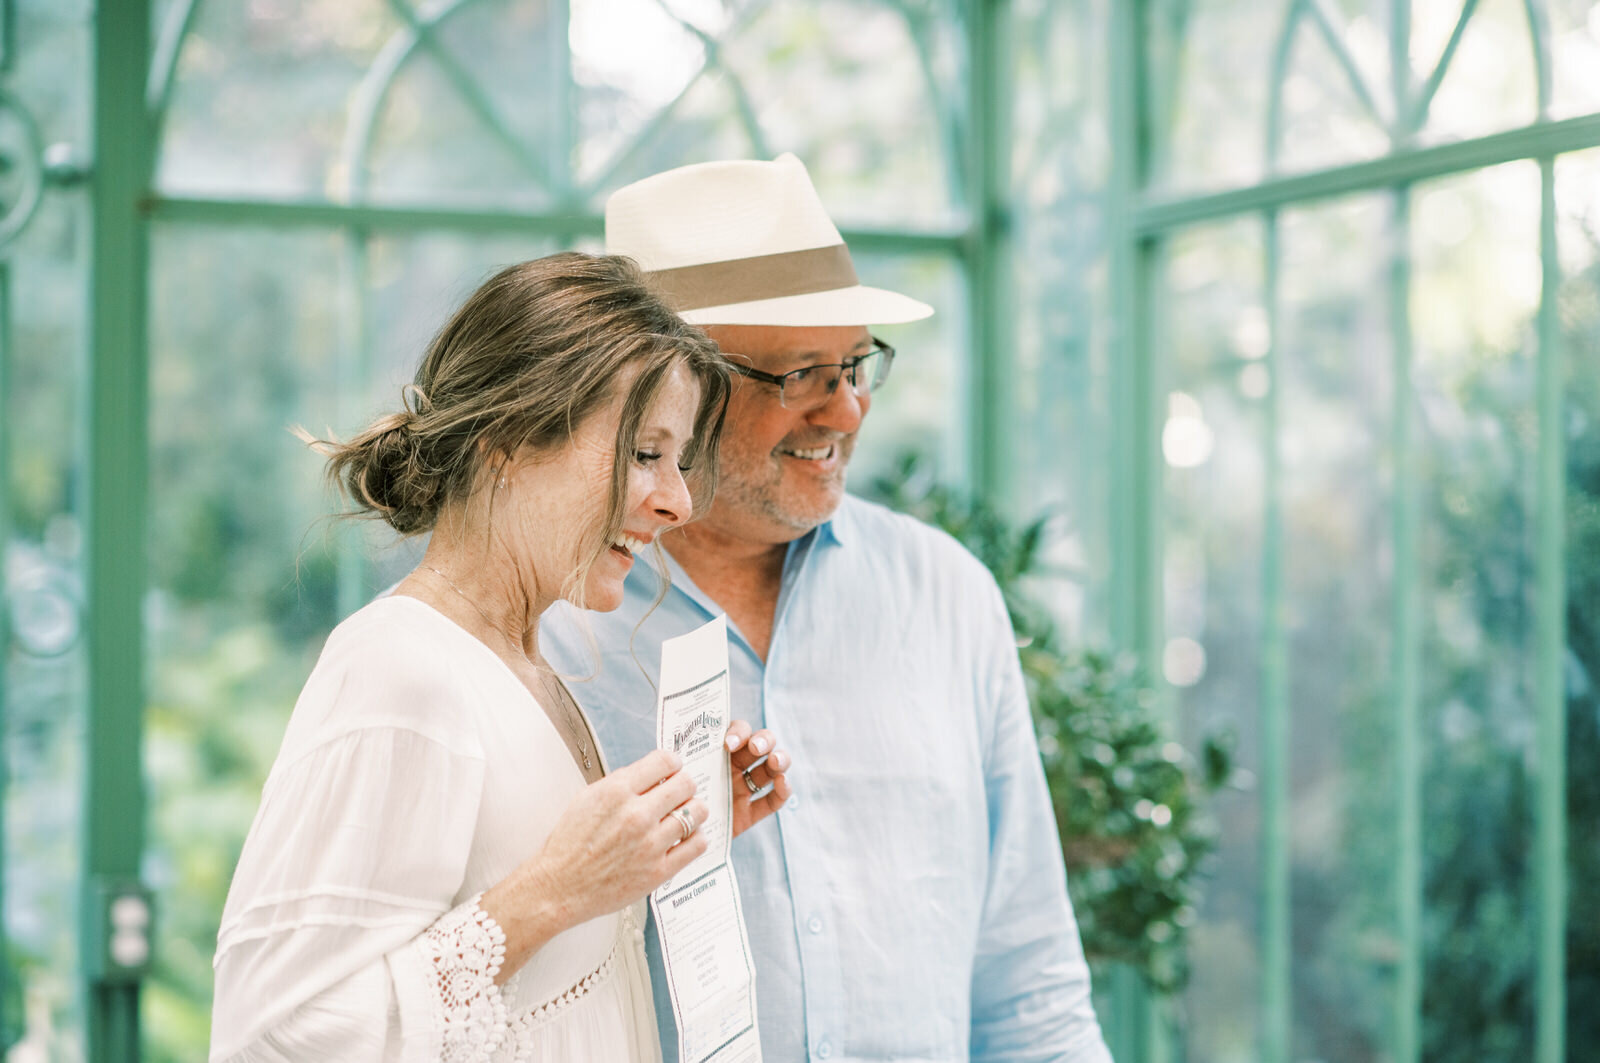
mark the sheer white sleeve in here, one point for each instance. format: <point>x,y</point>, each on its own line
<point>342,938</point>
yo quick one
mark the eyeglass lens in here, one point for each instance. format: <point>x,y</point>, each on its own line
<point>811,387</point>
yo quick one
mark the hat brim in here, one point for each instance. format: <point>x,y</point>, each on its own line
<point>858,305</point>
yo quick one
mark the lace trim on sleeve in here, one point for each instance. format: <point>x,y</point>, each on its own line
<point>463,951</point>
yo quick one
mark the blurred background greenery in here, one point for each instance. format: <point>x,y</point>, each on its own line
<point>1286,312</point>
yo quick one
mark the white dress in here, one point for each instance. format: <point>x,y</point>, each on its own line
<point>416,772</point>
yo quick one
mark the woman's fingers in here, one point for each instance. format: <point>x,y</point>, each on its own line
<point>671,792</point>
<point>644,773</point>
<point>669,831</point>
<point>681,856</point>
<point>657,782</point>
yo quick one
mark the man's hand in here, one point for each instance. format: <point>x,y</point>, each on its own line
<point>759,785</point>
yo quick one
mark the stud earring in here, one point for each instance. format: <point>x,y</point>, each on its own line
<point>502,483</point>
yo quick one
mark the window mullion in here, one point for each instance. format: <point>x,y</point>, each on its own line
<point>1551,640</point>
<point>1277,1005</point>
<point>989,299</point>
<point>117,502</point>
<point>1407,648</point>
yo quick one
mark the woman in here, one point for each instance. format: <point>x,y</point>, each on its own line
<point>440,867</point>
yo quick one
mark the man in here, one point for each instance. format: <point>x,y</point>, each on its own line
<point>910,902</point>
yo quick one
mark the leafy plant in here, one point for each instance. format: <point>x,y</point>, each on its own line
<point>1130,801</point>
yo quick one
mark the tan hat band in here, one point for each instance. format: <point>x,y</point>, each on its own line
<point>747,280</point>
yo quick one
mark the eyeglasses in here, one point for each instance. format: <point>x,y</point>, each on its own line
<point>813,385</point>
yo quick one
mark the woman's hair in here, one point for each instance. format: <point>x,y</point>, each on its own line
<point>532,353</point>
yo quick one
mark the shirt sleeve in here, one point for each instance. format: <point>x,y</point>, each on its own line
<point>1030,981</point>
<point>343,938</point>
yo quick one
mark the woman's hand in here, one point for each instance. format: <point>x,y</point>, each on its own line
<point>759,785</point>
<point>620,838</point>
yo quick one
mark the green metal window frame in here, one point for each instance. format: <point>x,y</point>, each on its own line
<point>116,506</point>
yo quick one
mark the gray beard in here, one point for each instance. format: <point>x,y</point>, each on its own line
<point>764,500</point>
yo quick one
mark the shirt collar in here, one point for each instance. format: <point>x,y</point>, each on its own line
<point>836,531</point>
<point>838,528</point>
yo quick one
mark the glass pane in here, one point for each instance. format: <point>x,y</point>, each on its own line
<point>1476,247</point>
<point>480,104</point>
<point>1575,56</point>
<point>43,290</point>
<point>704,124</point>
<point>44,670</point>
<point>1228,80</point>
<point>261,94</point>
<point>635,62</point>
<point>1209,124</point>
<point>1214,125</point>
<point>921,407</point>
<point>1212,340</point>
<point>890,156</point>
<point>1492,83</point>
<point>1578,206</point>
<point>246,333</point>
<point>1060,435</point>
<point>476,114</point>
<point>1335,437</point>
<point>1334,96</point>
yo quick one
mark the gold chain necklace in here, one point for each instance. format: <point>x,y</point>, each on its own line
<point>566,705</point>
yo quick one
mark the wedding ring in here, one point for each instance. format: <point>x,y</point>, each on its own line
<point>685,820</point>
<point>757,792</point>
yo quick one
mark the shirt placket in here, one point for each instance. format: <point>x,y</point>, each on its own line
<point>801,841</point>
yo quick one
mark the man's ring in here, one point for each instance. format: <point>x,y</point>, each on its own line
<point>757,791</point>
<point>685,820</point>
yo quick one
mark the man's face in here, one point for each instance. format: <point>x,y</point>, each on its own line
<point>783,470</point>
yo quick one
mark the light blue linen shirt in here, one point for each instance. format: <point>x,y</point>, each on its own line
<point>909,902</point>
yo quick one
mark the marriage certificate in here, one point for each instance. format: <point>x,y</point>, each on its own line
<point>704,946</point>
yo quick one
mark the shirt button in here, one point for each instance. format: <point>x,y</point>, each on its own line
<point>814,924</point>
<point>824,1050</point>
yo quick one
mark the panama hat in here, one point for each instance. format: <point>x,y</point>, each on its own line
<point>746,243</point>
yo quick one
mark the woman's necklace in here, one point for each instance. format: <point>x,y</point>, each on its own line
<point>566,707</point>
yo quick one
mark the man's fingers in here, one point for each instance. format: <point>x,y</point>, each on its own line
<point>780,792</point>
<point>755,746</point>
<point>766,805</point>
<point>759,777</point>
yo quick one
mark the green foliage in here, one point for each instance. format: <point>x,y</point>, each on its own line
<point>1581,312</point>
<point>1130,802</point>
<point>212,730</point>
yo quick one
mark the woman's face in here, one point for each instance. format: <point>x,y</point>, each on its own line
<point>559,500</point>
